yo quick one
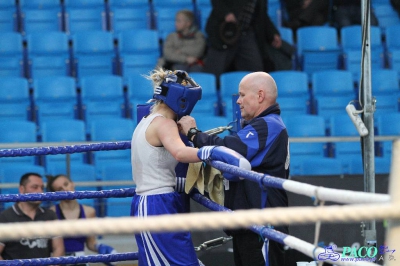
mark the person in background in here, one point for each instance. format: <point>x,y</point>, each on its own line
<point>71,209</point>
<point>263,140</point>
<point>239,32</point>
<point>184,49</point>
<point>303,13</point>
<point>156,149</point>
<point>30,211</point>
<point>348,12</point>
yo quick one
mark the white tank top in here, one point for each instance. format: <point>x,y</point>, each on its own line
<point>153,167</point>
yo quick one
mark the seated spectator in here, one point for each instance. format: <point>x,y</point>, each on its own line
<point>71,209</point>
<point>30,211</point>
<point>348,12</point>
<point>303,13</point>
<point>184,48</point>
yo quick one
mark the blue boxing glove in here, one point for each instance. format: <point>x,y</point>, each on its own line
<point>104,250</point>
<point>226,155</point>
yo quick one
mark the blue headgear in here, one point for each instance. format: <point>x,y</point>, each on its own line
<point>179,92</point>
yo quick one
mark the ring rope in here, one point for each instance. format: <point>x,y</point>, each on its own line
<point>72,260</point>
<point>199,221</point>
<point>68,195</point>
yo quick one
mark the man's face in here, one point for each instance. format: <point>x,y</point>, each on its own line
<point>248,102</point>
<point>34,185</point>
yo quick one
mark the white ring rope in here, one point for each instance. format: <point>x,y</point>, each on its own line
<point>201,221</point>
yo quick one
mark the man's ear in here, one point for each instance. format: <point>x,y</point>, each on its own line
<point>261,96</point>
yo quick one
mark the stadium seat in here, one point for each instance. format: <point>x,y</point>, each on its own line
<point>117,171</point>
<point>203,12</point>
<point>292,99</point>
<point>48,54</point>
<point>55,98</point>
<point>138,51</point>
<point>129,15</point>
<point>12,173</point>
<point>41,20</point>
<point>93,53</point>
<point>316,166</point>
<point>306,126</point>
<point>107,130</point>
<point>317,48</point>
<point>386,15</point>
<point>393,47</point>
<point>140,90</point>
<point>8,16</point>
<point>351,38</point>
<point>11,54</point>
<point>385,87</point>
<point>84,15</point>
<point>274,10</point>
<point>211,122</point>
<point>14,99</point>
<point>208,105</point>
<point>118,207</point>
<point>101,97</point>
<point>63,130</point>
<point>229,85</point>
<point>386,126</point>
<point>16,131</point>
<point>332,90</point>
<point>286,34</point>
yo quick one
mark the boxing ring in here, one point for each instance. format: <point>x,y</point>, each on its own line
<point>359,206</point>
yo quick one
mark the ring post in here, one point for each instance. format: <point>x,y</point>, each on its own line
<point>393,229</point>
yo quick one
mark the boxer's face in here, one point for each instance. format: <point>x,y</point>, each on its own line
<point>62,183</point>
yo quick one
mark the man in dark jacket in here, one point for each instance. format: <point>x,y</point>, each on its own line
<point>238,32</point>
<point>263,140</point>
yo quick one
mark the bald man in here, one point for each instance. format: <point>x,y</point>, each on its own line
<point>263,140</point>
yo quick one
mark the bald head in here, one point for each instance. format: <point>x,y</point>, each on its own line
<point>257,81</point>
<point>257,92</point>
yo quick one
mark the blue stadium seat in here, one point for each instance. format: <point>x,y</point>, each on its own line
<point>39,4</point>
<point>203,12</point>
<point>84,15</point>
<point>208,105</point>
<point>351,37</point>
<point>14,99</point>
<point>117,171</point>
<point>55,98</point>
<point>93,53</point>
<point>8,19</point>
<point>11,54</point>
<point>12,173</point>
<point>48,54</point>
<point>140,90</point>
<point>386,126</point>
<point>118,207</point>
<point>63,130</point>
<point>306,126</point>
<point>16,131</point>
<point>229,85</point>
<point>211,122</point>
<point>102,96</point>
<point>316,166</point>
<point>111,129</point>
<point>286,34</point>
<point>393,47</point>
<point>129,15</point>
<point>386,15</point>
<point>318,48</point>
<point>292,99</point>
<point>138,51</point>
<point>274,10</point>
<point>385,87</point>
<point>41,21</point>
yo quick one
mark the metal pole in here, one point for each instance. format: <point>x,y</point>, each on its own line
<point>368,105</point>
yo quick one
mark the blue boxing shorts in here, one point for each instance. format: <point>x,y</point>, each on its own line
<point>175,248</point>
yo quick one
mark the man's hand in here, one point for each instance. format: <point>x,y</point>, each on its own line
<point>186,123</point>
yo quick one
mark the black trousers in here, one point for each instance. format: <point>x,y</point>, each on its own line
<point>247,250</point>
<point>245,55</point>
